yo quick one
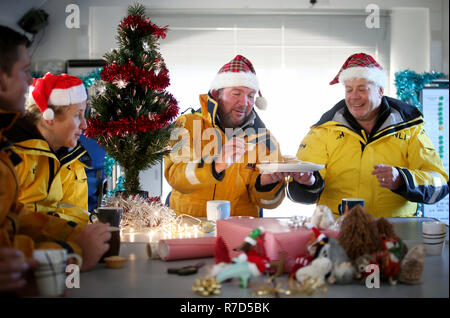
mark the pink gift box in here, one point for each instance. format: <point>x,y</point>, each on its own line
<point>278,237</point>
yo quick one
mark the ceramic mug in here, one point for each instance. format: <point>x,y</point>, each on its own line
<point>348,203</point>
<point>50,274</point>
<point>107,214</point>
<point>433,236</point>
<point>111,215</point>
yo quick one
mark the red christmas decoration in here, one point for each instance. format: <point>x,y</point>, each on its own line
<point>134,102</point>
<point>137,23</point>
<point>125,126</point>
<point>130,73</point>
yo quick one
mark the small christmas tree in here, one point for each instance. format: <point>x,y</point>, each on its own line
<point>132,115</point>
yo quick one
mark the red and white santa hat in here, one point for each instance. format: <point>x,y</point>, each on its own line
<point>361,65</point>
<point>319,236</point>
<point>239,72</point>
<point>56,90</point>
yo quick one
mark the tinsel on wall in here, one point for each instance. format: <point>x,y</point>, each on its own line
<point>409,84</point>
<point>132,115</point>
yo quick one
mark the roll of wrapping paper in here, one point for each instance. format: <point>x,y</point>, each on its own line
<point>186,248</point>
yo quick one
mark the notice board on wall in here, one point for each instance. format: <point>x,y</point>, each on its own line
<point>434,100</point>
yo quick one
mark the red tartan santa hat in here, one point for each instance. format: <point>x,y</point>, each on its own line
<point>239,72</point>
<point>56,90</point>
<point>361,65</point>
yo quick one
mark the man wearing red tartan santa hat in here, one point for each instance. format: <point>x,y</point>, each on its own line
<point>239,72</point>
<point>373,147</point>
<point>224,168</point>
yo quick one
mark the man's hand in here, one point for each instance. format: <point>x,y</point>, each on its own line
<point>306,178</point>
<point>269,178</point>
<point>13,267</point>
<point>233,149</point>
<point>93,241</point>
<point>388,176</point>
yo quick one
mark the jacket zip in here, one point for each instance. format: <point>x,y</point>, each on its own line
<point>363,146</point>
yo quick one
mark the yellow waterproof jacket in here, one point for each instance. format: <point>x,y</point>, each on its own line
<point>50,182</point>
<point>349,155</point>
<point>189,169</point>
<point>19,228</point>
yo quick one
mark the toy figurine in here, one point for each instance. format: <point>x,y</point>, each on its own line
<point>322,217</point>
<point>390,257</point>
<point>242,269</point>
<point>342,270</point>
<point>315,244</point>
<point>361,264</point>
<point>252,262</point>
<point>359,233</point>
<point>318,269</point>
<point>411,267</point>
<point>253,247</point>
<point>300,261</point>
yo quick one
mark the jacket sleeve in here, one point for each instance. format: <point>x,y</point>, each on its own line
<point>268,196</point>
<point>49,231</point>
<point>184,168</point>
<point>425,178</point>
<point>10,209</point>
<point>74,203</point>
<point>8,200</point>
<point>25,230</point>
<point>312,149</point>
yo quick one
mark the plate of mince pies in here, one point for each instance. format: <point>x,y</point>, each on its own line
<point>289,164</point>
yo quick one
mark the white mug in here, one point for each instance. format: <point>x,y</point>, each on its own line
<point>433,236</point>
<point>51,272</point>
<point>217,210</point>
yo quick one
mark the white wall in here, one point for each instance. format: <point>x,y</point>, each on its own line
<point>410,41</point>
<point>60,43</point>
<point>445,35</point>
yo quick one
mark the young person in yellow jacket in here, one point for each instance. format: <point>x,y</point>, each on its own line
<point>52,177</point>
<point>22,231</point>
<point>373,147</point>
<point>219,147</point>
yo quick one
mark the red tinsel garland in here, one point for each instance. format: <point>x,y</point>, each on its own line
<point>136,22</point>
<point>125,126</point>
<point>132,73</point>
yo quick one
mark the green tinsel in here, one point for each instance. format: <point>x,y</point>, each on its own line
<point>88,80</point>
<point>119,187</point>
<point>409,84</point>
<point>108,165</point>
<point>91,77</point>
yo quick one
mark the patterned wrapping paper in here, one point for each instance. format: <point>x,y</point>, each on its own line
<point>278,237</point>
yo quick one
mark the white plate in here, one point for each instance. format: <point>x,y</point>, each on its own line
<point>289,167</point>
